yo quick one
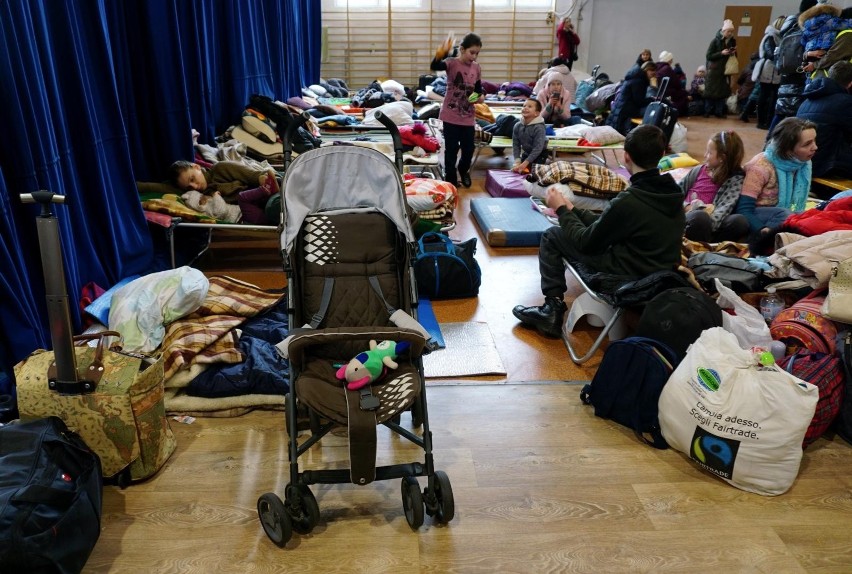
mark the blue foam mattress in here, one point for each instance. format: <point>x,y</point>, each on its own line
<point>509,221</point>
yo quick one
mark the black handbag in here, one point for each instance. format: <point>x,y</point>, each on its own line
<point>445,269</point>
<point>51,491</point>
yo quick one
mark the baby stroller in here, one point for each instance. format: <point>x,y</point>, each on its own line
<point>347,245</point>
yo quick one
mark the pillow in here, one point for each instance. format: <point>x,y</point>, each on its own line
<point>602,135</point>
<point>423,194</point>
<point>259,126</point>
<point>318,90</point>
<point>677,160</point>
<point>393,87</point>
<point>584,179</point>
<point>298,102</point>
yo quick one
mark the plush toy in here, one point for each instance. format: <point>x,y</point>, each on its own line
<point>368,366</point>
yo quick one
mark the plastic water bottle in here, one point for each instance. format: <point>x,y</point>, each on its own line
<point>770,304</point>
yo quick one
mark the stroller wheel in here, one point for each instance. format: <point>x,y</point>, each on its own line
<point>443,490</point>
<point>274,519</point>
<point>303,509</point>
<point>412,502</point>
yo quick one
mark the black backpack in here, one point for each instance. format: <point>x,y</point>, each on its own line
<point>51,490</point>
<point>627,385</point>
<point>790,53</point>
<point>677,317</point>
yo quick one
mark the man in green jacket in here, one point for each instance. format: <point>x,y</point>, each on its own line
<point>639,232</point>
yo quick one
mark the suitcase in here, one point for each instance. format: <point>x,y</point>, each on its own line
<point>113,400</point>
<point>660,114</point>
<point>509,221</point>
<point>51,493</point>
<point>504,183</point>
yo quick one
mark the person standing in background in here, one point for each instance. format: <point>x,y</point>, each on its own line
<point>790,86</point>
<point>766,75</point>
<point>568,41</point>
<point>717,87</point>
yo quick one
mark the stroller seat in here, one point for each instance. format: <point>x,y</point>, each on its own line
<point>348,247</point>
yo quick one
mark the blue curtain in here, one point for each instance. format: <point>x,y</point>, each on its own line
<point>98,95</point>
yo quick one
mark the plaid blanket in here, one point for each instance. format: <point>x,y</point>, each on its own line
<point>584,179</point>
<point>207,336</point>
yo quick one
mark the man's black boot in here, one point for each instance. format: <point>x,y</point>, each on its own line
<point>547,318</point>
<point>465,179</point>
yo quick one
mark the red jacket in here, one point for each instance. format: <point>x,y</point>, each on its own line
<point>836,216</point>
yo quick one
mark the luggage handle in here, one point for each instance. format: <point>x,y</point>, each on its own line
<point>661,91</point>
<point>88,377</point>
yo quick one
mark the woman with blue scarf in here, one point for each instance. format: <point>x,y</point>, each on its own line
<point>778,179</point>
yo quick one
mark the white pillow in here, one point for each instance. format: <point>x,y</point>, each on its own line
<point>141,309</point>
<point>393,87</point>
<point>603,135</point>
<point>399,113</point>
<point>318,90</point>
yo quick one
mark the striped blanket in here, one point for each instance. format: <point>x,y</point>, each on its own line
<point>207,336</point>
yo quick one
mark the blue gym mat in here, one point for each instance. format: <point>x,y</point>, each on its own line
<point>426,317</point>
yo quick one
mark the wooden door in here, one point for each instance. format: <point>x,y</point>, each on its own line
<point>749,25</point>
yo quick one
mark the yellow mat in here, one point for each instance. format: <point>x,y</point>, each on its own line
<point>470,351</point>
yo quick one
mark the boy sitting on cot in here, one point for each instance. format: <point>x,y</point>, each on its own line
<point>529,142</point>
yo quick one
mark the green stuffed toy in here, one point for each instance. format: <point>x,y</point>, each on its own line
<point>368,366</point>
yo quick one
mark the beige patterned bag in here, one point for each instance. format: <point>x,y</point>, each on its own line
<point>838,302</point>
<point>123,420</point>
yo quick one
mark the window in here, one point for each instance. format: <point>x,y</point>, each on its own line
<point>381,39</point>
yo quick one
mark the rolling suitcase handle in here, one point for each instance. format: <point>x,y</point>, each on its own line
<point>661,91</point>
<point>63,375</point>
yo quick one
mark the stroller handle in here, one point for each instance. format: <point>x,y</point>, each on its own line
<point>397,140</point>
<point>298,121</point>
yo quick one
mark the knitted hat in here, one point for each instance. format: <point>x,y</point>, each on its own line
<point>665,56</point>
<point>727,25</point>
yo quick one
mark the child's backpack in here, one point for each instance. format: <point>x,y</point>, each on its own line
<point>789,53</point>
<point>826,372</point>
<point>803,326</point>
<point>628,383</point>
<point>677,318</point>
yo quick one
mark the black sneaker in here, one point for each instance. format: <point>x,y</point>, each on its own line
<point>465,179</point>
<point>546,319</point>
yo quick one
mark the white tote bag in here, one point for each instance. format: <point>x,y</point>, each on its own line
<point>734,418</point>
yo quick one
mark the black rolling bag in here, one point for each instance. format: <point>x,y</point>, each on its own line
<point>50,498</point>
<point>660,114</point>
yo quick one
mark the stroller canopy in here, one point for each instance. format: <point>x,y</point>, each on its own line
<point>342,179</point>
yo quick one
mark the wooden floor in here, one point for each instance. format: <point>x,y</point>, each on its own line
<point>540,484</point>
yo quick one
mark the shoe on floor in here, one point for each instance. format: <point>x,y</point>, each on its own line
<point>546,319</point>
<point>465,179</point>
<point>706,115</point>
